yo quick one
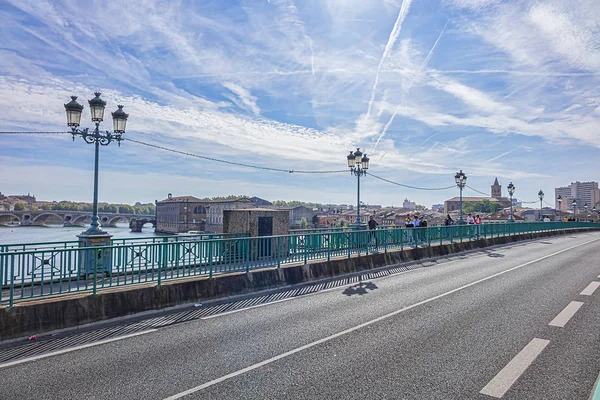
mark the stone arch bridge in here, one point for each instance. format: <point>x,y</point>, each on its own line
<point>74,218</point>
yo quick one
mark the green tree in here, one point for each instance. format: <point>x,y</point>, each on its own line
<point>303,223</point>
<point>315,220</point>
<point>19,207</point>
<point>47,207</point>
<point>126,209</point>
<point>33,208</point>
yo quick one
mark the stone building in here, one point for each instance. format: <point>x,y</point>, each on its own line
<point>180,214</point>
<point>215,208</point>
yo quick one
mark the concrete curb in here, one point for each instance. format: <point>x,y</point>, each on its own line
<point>59,313</point>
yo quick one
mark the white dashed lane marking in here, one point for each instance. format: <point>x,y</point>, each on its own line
<point>590,289</point>
<point>566,314</point>
<point>514,369</point>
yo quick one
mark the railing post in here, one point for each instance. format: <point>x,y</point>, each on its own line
<point>329,245</point>
<point>11,299</point>
<point>98,262</point>
<point>163,259</point>
<point>210,258</point>
<point>279,252</point>
<point>247,241</point>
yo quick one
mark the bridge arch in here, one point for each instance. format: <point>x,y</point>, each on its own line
<point>41,218</point>
<point>5,219</point>
<point>79,219</point>
<point>112,221</point>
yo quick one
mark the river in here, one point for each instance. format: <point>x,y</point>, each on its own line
<point>58,233</point>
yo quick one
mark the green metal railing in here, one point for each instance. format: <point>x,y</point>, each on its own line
<point>4,248</point>
<point>57,268</point>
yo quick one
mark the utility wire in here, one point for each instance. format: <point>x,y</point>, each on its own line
<point>33,133</point>
<point>478,191</point>
<point>232,162</point>
<point>408,186</point>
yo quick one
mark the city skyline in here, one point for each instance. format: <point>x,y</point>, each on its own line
<point>489,87</point>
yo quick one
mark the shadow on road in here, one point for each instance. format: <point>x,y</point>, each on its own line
<point>360,289</point>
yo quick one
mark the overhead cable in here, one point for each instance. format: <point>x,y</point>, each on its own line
<point>408,186</point>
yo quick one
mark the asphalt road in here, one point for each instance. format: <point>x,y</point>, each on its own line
<point>509,322</point>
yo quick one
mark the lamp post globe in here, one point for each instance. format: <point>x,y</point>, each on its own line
<point>358,164</point>
<point>574,204</point>
<point>97,106</point>
<point>461,181</point>
<point>119,120</point>
<point>511,192</point>
<point>74,110</point>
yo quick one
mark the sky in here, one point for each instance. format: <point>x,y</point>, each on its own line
<point>506,89</point>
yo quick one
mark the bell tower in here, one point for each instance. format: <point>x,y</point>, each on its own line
<point>496,189</point>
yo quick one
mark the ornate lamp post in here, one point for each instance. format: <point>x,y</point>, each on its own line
<point>574,204</point>
<point>358,164</point>
<point>593,212</point>
<point>541,196</point>
<point>95,236</point>
<point>461,181</point>
<point>585,207</point>
<point>511,191</point>
<point>559,201</point>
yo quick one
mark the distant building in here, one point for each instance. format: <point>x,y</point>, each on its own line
<point>297,213</point>
<point>180,214</point>
<point>583,192</point>
<point>411,205</point>
<point>258,202</point>
<point>453,204</point>
<point>214,215</point>
<point>496,189</point>
<point>437,207</point>
<point>2,197</point>
<point>15,198</point>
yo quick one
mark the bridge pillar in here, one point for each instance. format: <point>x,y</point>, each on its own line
<point>98,260</point>
<point>136,225</point>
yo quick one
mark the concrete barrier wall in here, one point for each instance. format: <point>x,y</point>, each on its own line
<point>49,314</point>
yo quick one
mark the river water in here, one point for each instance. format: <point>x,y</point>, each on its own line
<point>58,233</point>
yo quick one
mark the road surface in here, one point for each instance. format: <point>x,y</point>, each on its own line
<point>515,322</point>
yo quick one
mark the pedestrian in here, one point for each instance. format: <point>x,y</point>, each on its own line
<point>449,220</point>
<point>417,224</point>
<point>373,228</point>
<point>470,220</point>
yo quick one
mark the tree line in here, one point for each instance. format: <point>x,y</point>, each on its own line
<point>138,208</point>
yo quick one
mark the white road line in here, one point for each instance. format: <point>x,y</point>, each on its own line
<point>357,327</point>
<point>68,350</point>
<point>514,369</point>
<point>590,289</point>
<point>566,314</point>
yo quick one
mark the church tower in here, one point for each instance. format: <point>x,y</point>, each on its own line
<point>496,189</point>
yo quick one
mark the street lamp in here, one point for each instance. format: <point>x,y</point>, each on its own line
<point>461,181</point>
<point>541,196</point>
<point>574,204</point>
<point>593,212</point>
<point>585,207</point>
<point>559,201</point>
<point>511,191</point>
<point>96,137</point>
<point>358,164</point>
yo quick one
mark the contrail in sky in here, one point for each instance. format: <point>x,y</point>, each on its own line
<point>388,47</point>
<point>421,67</point>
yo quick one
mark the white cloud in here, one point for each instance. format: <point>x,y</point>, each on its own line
<point>244,100</point>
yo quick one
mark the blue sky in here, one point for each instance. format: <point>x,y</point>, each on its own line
<point>495,88</point>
